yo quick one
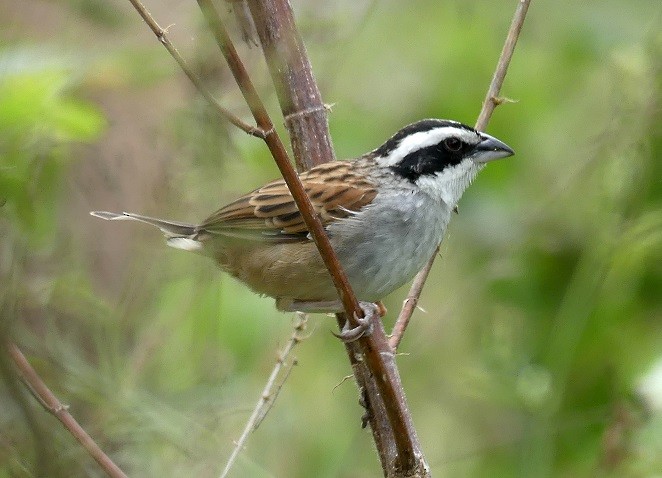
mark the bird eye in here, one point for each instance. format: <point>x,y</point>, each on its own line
<point>452,144</point>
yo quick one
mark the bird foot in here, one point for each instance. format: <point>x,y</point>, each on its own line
<point>352,334</point>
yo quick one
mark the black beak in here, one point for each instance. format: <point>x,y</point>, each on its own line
<point>490,149</point>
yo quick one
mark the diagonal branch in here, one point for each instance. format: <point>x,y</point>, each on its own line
<point>491,98</point>
<point>162,36</point>
<point>489,104</point>
<point>53,406</point>
<point>372,358</point>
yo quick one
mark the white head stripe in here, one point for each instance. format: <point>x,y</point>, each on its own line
<point>424,139</point>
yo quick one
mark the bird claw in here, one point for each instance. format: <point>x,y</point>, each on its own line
<point>350,334</point>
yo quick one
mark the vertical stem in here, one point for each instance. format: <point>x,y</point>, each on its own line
<point>298,94</point>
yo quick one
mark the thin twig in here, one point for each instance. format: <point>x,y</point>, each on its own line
<point>274,395</point>
<point>410,304</point>
<point>162,36</point>
<point>489,104</point>
<point>268,393</point>
<point>53,406</point>
<point>491,98</point>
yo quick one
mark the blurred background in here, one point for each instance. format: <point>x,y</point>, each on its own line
<point>539,349</point>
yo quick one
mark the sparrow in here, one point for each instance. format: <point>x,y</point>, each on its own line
<point>384,212</point>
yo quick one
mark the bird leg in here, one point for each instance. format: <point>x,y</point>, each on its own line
<point>348,333</point>
<point>352,334</point>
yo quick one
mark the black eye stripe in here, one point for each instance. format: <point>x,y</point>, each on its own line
<point>429,160</point>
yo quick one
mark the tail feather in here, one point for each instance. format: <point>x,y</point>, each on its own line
<point>169,228</point>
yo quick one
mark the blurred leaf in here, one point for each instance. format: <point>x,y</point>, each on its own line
<point>99,11</point>
<point>38,113</point>
<point>36,106</point>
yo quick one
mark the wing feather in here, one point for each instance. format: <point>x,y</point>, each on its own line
<point>270,213</point>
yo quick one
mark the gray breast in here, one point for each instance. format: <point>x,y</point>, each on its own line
<point>387,243</point>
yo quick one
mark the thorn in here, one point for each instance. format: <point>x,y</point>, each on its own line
<point>499,100</point>
<point>344,379</point>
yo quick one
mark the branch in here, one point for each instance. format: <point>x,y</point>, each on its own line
<point>385,384</point>
<point>162,36</point>
<point>489,104</point>
<point>269,392</point>
<point>53,406</point>
<point>310,141</point>
<point>372,358</point>
<point>410,303</point>
<point>491,98</point>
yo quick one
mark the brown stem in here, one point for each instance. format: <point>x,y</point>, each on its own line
<point>304,148</point>
<point>306,119</point>
<point>410,304</point>
<point>305,115</point>
<point>53,406</point>
<point>299,97</point>
<point>489,104</point>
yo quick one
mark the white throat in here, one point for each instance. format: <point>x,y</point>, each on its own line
<point>449,185</point>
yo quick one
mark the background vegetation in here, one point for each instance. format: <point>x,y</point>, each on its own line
<point>543,323</point>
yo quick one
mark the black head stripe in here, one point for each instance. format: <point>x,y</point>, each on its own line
<point>418,127</point>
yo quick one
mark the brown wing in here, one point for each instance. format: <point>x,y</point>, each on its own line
<point>269,212</point>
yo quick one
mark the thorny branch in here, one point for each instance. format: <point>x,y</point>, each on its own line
<point>489,104</point>
<point>311,118</point>
<point>305,117</point>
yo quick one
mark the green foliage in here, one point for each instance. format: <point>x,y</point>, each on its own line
<point>38,117</point>
<point>542,316</point>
